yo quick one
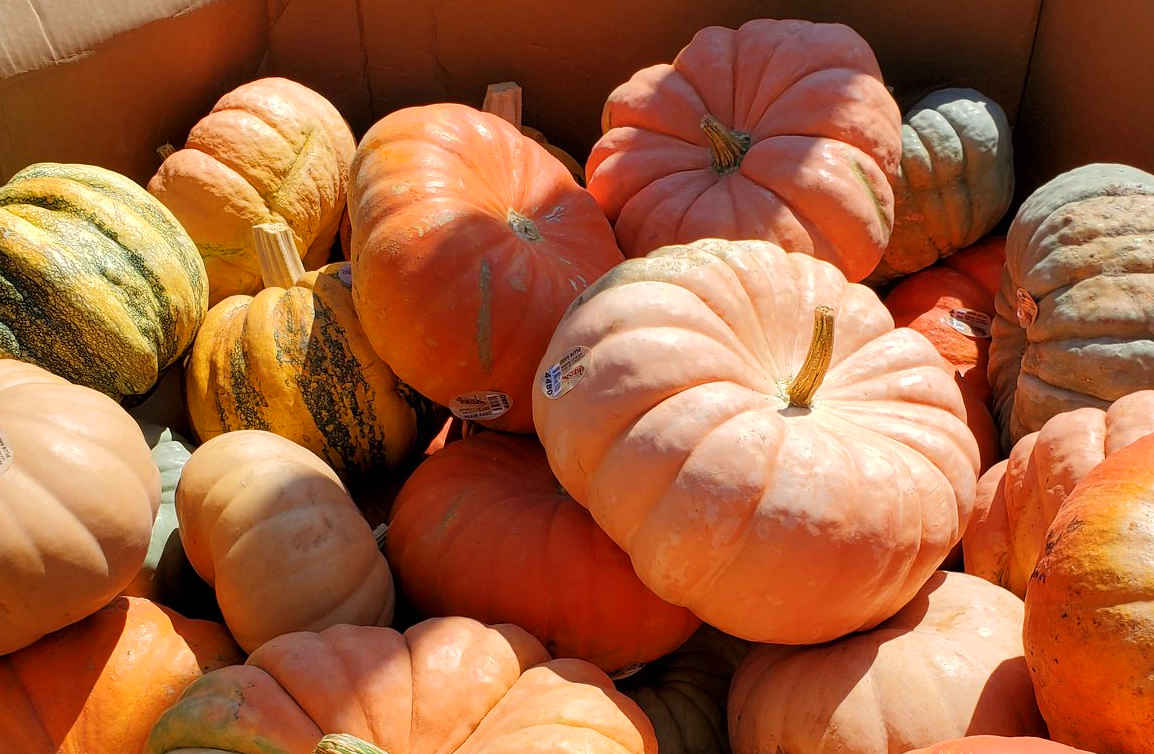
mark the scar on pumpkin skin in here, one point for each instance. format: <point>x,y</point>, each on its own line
<point>484,336</point>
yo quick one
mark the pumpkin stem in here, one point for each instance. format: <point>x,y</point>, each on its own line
<point>165,151</point>
<point>812,372</point>
<point>343,743</point>
<point>504,101</point>
<point>280,264</point>
<point>523,226</point>
<point>727,145</point>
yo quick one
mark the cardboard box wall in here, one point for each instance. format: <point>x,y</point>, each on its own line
<point>107,81</point>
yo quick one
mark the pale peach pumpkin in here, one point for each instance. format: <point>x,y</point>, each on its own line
<point>1019,497</point>
<point>701,437</point>
<point>78,496</point>
<point>778,130</point>
<point>949,664</point>
<point>449,685</point>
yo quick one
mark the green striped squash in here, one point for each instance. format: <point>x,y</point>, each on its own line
<point>99,283</point>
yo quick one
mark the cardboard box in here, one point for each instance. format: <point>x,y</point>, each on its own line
<point>108,82</point>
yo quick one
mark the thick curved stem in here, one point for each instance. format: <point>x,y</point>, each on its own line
<point>280,264</point>
<point>727,146</point>
<point>812,372</point>
<point>342,743</point>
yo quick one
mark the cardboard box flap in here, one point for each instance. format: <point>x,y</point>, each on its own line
<point>39,33</point>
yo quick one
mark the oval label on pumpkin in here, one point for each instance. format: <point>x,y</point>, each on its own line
<point>564,374</point>
<point>1027,308</point>
<point>5,453</point>
<point>345,274</point>
<point>970,322</point>
<point>481,405</point>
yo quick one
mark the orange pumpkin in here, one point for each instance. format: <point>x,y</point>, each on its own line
<point>701,436</point>
<point>949,664</point>
<point>952,304</point>
<point>998,745</point>
<point>1018,498</point>
<point>270,150</point>
<point>271,527</point>
<point>469,240</point>
<point>98,686</point>
<point>78,499</point>
<point>491,499</point>
<point>780,130</point>
<point>445,685</point>
<point>1089,629</point>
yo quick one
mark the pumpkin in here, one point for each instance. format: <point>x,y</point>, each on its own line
<point>1089,627</point>
<point>998,745</point>
<point>780,130</point>
<point>952,304</point>
<point>445,685</point>
<point>684,693</point>
<point>491,499</point>
<point>295,361</point>
<point>955,182</point>
<point>270,526</point>
<point>469,241</point>
<point>100,284</point>
<point>949,664</point>
<point>77,503</point>
<point>270,150</point>
<point>101,684</point>
<point>504,100</point>
<point>1018,498</point>
<point>1076,300</point>
<point>775,506</point>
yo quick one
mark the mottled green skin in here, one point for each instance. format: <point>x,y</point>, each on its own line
<point>99,283</point>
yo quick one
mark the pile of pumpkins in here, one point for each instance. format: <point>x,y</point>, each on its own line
<point>708,456</point>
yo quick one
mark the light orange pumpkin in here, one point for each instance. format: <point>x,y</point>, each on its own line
<point>469,240</point>
<point>1019,497</point>
<point>1089,629</point>
<point>690,416</point>
<point>779,130</point>
<point>100,685</point>
<point>949,664</point>
<point>952,304</point>
<point>445,685</point>
<point>998,745</point>
<point>78,496</point>
<point>270,150</point>
<point>271,527</point>
<point>491,499</point>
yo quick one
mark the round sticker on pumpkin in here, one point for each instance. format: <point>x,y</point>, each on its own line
<point>970,322</point>
<point>1027,308</point>
<point>481,405</point>
<point>564,375</point>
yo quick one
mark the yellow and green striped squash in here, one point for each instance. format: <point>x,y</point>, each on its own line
<point>294,361</point>
<point>99,283</point>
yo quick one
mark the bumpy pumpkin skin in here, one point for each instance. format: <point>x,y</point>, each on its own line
<point>952,304</point>
<point>311,560</point>
<point>998,745</point>
<point>1018,498</point>
<point>950,663</point>
<point>548,568</point>
<point>769,522</point>
<point>98,281</point>
<point>296,362</point>
<point>446,685</point>
<point>101,684</point>
<point>814,140</point>
<point>1089,629</point>
<point>1081,249</point>
<point>469,240</point>
<point>684,694</point>
<point>955,183</point>
<point>79,495</point>
<point>270,150</point>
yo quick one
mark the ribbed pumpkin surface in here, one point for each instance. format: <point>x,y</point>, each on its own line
<point>296,362</point>
<point>98,281</point>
